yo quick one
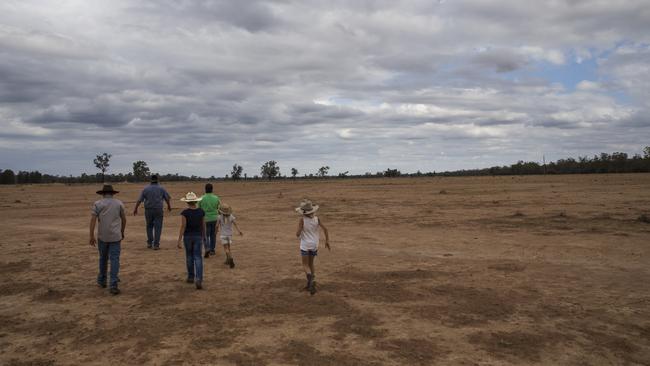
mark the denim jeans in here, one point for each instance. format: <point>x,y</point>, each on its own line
<point>193,256</point>
<point>210,236</point>
<point>154,219</point>
<point>109,251</point>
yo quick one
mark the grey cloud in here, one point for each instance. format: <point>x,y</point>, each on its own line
<point>237,82</point>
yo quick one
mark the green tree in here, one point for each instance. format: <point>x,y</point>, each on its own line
<point>141,171</point>
<point>8,177</point>
<point>392,173</point>
<point>236,172</point>
<point>102,163</point>
<point>270,170</point>
<point>294,172</point>
<point>322,171</point>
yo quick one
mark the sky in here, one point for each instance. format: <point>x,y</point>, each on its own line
<point>193,87</point>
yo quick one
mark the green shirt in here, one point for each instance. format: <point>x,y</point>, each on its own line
<point>210,204</point>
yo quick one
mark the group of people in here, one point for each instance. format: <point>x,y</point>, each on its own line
<point>201,221</point>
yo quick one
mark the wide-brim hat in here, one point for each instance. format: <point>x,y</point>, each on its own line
<point>225,209</point>
<point>191,197</point>
<point>107,189</point>
<point>306,208</point>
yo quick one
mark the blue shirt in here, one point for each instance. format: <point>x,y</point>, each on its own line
<point>153,196</point>
<point>194,221</point>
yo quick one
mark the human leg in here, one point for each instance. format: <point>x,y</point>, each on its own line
<point>114,250</point>
<point>189,257</point>
<point>103,259</point>
<point>149,219</point>
<point>198,261</point>
<point>157,227</point>
<point>210,239</point>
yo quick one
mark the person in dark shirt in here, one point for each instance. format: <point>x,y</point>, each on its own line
<point>153,196</point>
<point>192,234</point>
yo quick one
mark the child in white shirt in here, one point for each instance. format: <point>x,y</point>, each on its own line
<point>225,222</point>
<point>308,232</point>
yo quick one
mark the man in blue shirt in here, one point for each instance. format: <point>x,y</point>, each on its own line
<point>153,196</point>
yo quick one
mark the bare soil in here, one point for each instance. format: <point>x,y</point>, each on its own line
<point>548,270</point>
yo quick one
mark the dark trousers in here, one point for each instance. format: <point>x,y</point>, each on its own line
<point>154,219</point>
<point>210,236</point>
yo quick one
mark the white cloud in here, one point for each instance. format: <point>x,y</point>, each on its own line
<point>199,86</point>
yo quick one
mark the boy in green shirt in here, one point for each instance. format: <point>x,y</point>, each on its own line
<point>210,204</point>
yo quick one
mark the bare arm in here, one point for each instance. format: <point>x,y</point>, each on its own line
<point>169,205</point>
<point>327,235</point>
<point>93,222</point>
<point>300,227</point>
<point>237,227</point>
<point>123,217</point>
<point>135,210</point>
<point>180,234</point>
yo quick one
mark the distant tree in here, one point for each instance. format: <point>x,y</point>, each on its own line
<point>322,171</point>
<point>344,174</point>
<point>102,163</point>
<point>294,172</point>
<point>8,177</point>
<point>141,171</point>
<point>646,152</point>
<point>270,170</point>
<point>236,172</point>
<point>392,173</point>
<point>22,177</point>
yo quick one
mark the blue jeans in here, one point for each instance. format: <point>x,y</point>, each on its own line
<point>210,236</point>
<point>109,251</point>
<point>193,256</point>
<point>154,219</point>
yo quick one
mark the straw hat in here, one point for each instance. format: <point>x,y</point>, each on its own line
<point>306,207</point>
<point>225,209</point>
<point>107,189</point>
<point>191,197</point>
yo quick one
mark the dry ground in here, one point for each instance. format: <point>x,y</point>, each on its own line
<point>459,271</point>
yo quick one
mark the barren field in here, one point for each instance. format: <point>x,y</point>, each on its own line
<point>548,270</point>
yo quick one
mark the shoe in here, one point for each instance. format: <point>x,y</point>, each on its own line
<point>212,252</point>
<point>232,263</point>
<point>312,288</point>
<point>156,248</point>
<point>198,285</point>
<point>102,285</point>
<point>207,255</point>
<point>149,246</point>
<point>189,280</point>
<point>114,291</point>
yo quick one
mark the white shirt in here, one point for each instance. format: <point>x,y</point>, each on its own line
<point>309,236</point>
<point>226,225</point>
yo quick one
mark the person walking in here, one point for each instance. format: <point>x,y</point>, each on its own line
<point>153,196</point>
<point>210,205</point>
<point>308,232</point>
<point>109,212</point>
<point>192,234</point>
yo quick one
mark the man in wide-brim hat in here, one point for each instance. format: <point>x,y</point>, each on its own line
<point>109,212</point>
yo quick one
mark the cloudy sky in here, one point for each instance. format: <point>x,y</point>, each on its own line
<point>196,86</point>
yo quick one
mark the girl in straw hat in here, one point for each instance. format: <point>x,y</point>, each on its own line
<point>308,232</point>
<point>225,222</point>
<point>192,234</point>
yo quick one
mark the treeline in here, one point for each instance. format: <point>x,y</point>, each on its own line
<point>35,177</point>
<point>616,162</point>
